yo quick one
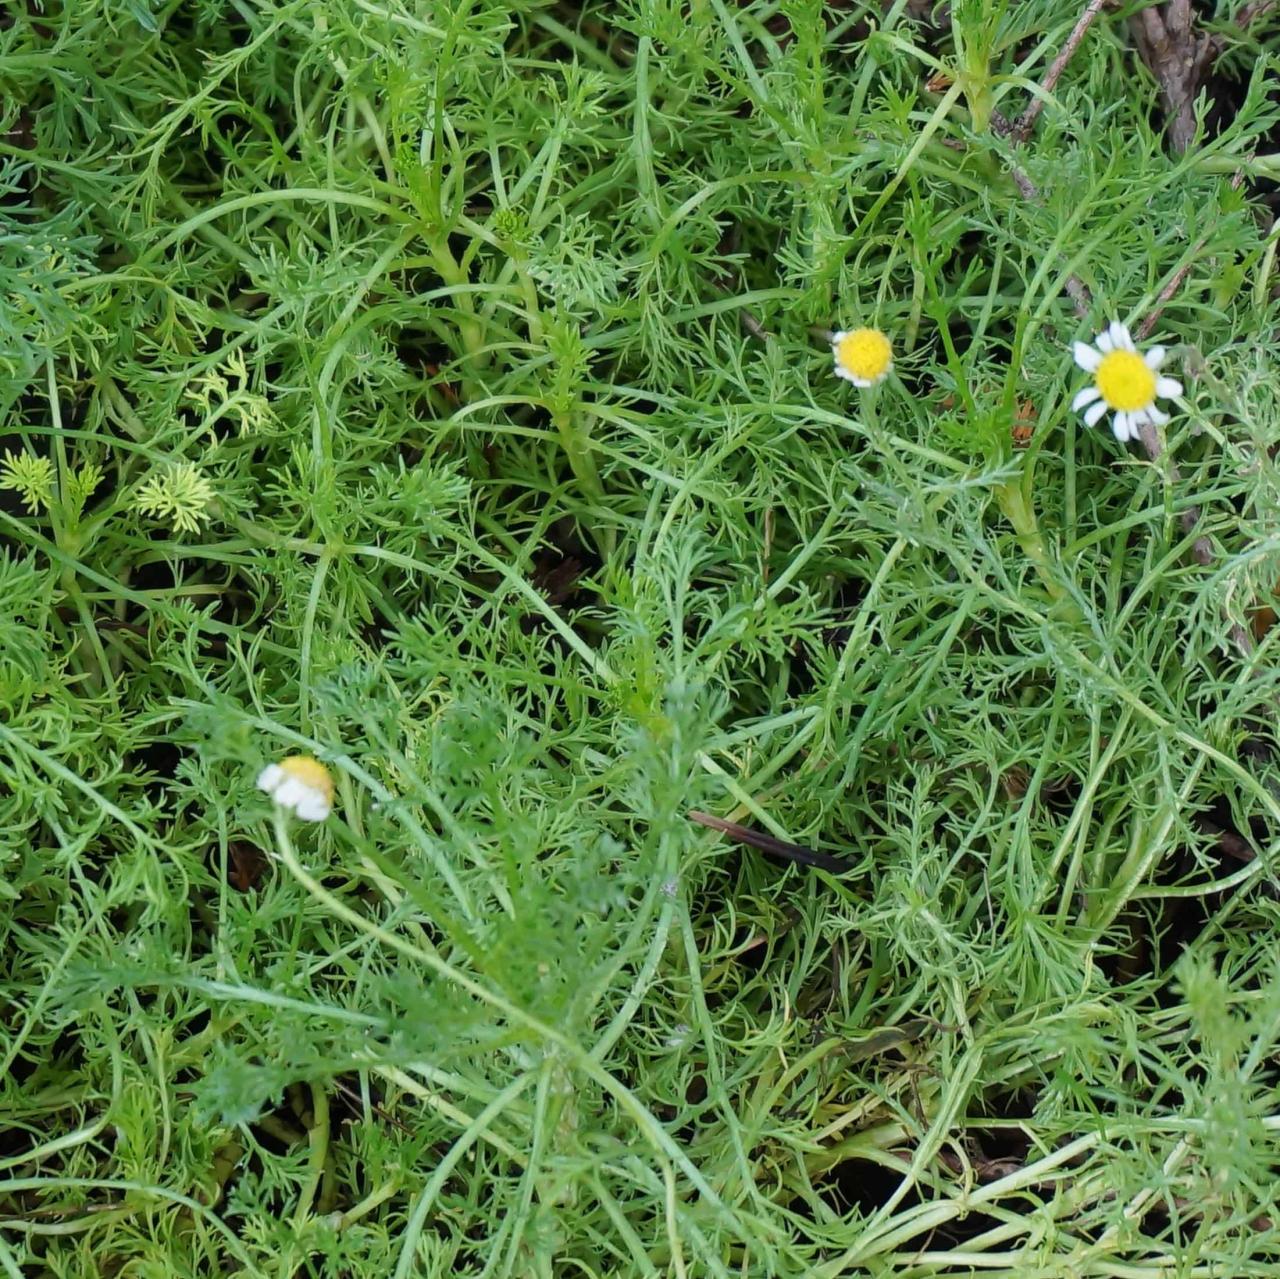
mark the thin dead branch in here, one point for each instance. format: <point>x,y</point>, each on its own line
<point>768,844</point>
<point>1167,293</point>
<point>1201,548</point>
<point>1252,13</point>
<point>1022,130</point>
<point>1179,56</point>
<point>1075,287</point>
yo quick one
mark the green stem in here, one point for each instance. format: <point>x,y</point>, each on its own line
<point>366,1205</point>
<point>318,1136</point>
<point>469,326</point>
<point>1019,512</point>
<point>576,442</point>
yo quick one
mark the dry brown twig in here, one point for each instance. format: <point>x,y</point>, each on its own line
<point>1075,287</point>
<point>1252,12</point>
<point>779,848</point>
<point>1178,56</point>
<point>1175,283</point>
<point>1022,130</point>
<point>1167,293</point>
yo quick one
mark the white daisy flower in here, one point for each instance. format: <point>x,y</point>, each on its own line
<point>1124,381</point>
<point>863,356</point>
<point>300,784</point>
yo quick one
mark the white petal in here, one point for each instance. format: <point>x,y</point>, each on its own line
<point>291,792</point>
<point>1168,388</point>
<point>1155,357</point>
<point>862,381</point>
<point>1104,343</point>
<point>846,375</point>
<point>1086,357</point>
<point>286,792</point>
<point>312,807</point>
<point>1086,396</point>
<point>1096,413</point>
<point>837,338</point>
<point>1157,416</point>
<point>1120,425</point>
<point>1120,336</point>
<point>270,777</point>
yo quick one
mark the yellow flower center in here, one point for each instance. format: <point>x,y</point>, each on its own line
<point>865,353</point>
<point>311,772</point>
<point>1125,381</point>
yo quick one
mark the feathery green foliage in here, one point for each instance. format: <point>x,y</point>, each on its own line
<point>432,386</point>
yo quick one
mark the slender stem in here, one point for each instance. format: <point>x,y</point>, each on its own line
<point>372,1200</point>
<point>1021,514</point>
<point>318,1137</point>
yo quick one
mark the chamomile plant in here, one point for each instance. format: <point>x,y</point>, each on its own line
<point>424,484</point>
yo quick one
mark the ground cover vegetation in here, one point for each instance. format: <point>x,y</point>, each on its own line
<point>444,390</point>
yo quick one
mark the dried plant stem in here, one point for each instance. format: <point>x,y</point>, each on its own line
<point>1022,130</point>
<point>1251,13</point>
<point>1076,290</point>
<point>1202,548</point>
<point>1153,316</point>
